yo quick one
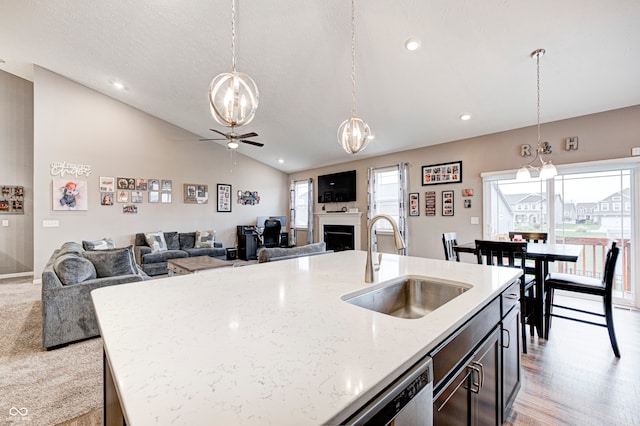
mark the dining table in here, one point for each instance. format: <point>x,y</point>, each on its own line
<point>541,254</point>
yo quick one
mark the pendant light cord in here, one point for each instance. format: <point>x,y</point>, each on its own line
<point>353,59</point>
<point>233,34</point>
<point>538,89</point>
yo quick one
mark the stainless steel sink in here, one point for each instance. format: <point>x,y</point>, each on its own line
<point>407,297</point>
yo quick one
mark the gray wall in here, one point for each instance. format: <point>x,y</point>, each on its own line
<point>16,168</point>
<point>78,125</point>
<point>602,136</point>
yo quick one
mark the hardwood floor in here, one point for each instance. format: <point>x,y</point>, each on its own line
<point>574,378</point>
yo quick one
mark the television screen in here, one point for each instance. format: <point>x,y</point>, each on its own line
<point>337,187</point>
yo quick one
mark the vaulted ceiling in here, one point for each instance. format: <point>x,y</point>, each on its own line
<point>474,58</point>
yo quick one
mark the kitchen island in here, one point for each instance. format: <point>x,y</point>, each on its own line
<point>272,343</point>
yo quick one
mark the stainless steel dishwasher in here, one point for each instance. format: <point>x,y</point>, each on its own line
<point>408,401</point>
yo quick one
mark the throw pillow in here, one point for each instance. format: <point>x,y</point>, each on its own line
<point>204,239</point>
<point>112,262</point>
<point>156,241</point>
<point>103,244</point>
<point>70,247</point>
<point>187,240</point>
<point>73,269</point>
<point>173,243</point>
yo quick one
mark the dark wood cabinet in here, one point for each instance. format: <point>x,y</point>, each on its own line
<point>511,349</point>
<point>247,246</point>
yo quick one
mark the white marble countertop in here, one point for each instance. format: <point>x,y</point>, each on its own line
<point>271,343</point>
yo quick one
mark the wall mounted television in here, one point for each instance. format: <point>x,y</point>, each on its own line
<point>337,187</point>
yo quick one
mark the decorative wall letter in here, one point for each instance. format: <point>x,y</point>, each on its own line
<point>571,143</point>
<point>525,150</point>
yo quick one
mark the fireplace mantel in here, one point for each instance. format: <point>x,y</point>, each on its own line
<point>353,219</point>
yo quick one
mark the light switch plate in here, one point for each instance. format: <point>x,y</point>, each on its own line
<point>475,220</point>
<point>50,223</point>
<point>635,151</point>
<point>5,222</point>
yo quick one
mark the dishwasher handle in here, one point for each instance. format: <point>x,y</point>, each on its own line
<point>397,395</point>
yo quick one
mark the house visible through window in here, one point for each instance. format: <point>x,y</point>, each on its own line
<point>386,195</point>
<point>301,204</point>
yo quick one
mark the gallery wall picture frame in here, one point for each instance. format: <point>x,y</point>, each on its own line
<point>122,196</point>
<point>430,203</point>
<point>154,196</point>
<point>165,197</point>
<point>166,184</point>
<point>141,184</point>
<point>414,204</point>
<point>106,198</point>
<point>136,196</point>
<point>437,174</point>
<point>70,194</point>
<point>447,203</point>
<point>223,197</point>
<point>107,184</point>
<point>12,199</point>
<point>154,184</point>
<point>195,193</point>
<point>126,183</point>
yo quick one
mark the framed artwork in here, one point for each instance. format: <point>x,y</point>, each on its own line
<point>249,198</point>
<point>430,203</point>
<point>122,196</point>
<point>196,193</point>
<point>126,183</point>
<point>165,197</point>
<point>166,184</point>
<point>12,199</point>
<point>70,194</point>
<point>447,203</point>
<point>106,198</point>
<point>467,204</point>
<point>154,196</point>
<point>107,184</point>
<point>141,184</point>
<point>436,174</point>
<point>130,209</point>
<point>154,185</point>
<point>467,192</point>
<point>414,207</point>
<point>224,197</point>
<point>136,196</point>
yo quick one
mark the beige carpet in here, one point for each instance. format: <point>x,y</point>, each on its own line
<point>39,387</point>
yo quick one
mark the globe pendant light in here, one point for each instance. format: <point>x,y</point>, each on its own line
<point>353,134</point>
<point>547,169</point>
<point>233,96</point>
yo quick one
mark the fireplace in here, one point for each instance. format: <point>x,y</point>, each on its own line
<point>339,237</point>
<point>339,225</point>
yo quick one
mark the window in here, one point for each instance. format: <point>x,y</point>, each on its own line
<point>604,207</point>
<point>386,195</point>
<point>301,204</point>
<point>617,207</point>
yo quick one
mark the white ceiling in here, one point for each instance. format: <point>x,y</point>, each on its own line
<point>474,58</point>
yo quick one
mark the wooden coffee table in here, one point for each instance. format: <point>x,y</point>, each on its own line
<point>191,265</point>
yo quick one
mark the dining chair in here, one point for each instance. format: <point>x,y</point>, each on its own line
<point>511,254</point>
<point>449,240</point>
<point>585,285</point>
<point>530,237</point>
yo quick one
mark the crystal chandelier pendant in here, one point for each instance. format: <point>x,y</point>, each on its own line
<point>233,97</point>
<point>354,135</point>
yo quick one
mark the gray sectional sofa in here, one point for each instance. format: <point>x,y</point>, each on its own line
<point>282,253</point>
<point>67,281</point>
<point>179,245</point>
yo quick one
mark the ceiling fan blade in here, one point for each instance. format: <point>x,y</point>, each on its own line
<point>252,142</point>
<point>247,135</point>
<point>220,133</point>
<point>214,139</point>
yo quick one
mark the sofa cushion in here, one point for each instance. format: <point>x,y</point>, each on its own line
<point>112,262</point>
<point>72,268</point>
<point>70,247</point>
<point>204,239</point>
<point>156,241</point>
<point>163,256</point>
<point>103,244</point>
<point>206,251</point>
<point>266,254</point>
<point>187,240</point>
<point>173,242</point>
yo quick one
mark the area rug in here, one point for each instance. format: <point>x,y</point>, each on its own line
<point>39,387</point>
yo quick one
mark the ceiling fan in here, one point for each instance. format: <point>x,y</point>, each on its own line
<point>233,138</point>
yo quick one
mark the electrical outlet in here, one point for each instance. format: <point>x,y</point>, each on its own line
<point>475,220</point>
<point>635,151</point>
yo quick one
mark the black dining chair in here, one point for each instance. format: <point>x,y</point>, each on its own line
<point>585,285</point>
<point>449,240</point>
<point>511,254</point>
<point>530,237</point>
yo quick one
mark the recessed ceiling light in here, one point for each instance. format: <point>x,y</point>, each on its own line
<point>280,160</point>
<point>117,84</point>
<point>465,117</point>
<point>412,44</point>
